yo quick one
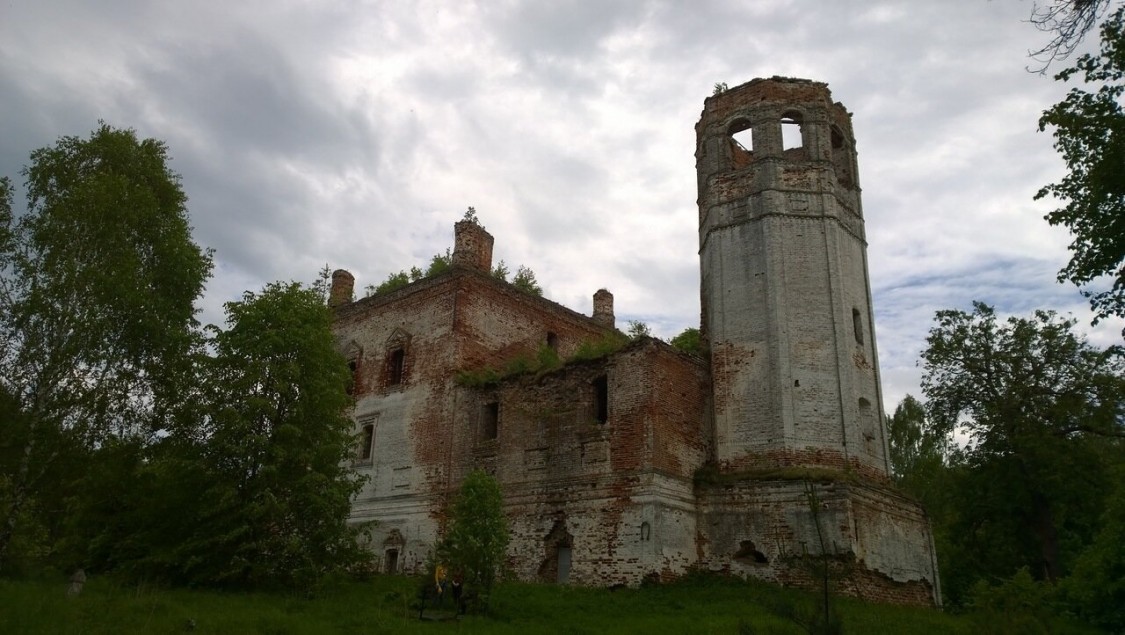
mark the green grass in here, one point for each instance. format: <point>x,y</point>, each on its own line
<point>697,605</point>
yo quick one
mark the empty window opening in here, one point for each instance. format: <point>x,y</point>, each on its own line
<point>741,143</point>
<point>857,326</point>
<point>366,441</point>
<point>747,552</point>
<point>796,383</point>
<point>556,565</point>
<point>868,425</point>
<point>391,561</point>
<point>396,367</point>
<point>791,131</point>
<point>841,158</point>
<point>646,531</point>
<point>742,134</point>
<point>490,420</point>
<point>563,564</point>
<point>552,341</point>
<point>837,139</point>
<point>353,368</point>
<point>601,399</point>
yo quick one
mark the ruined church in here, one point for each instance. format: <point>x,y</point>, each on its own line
<point>767,451</point>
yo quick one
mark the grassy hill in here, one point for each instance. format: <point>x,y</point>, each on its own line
<point>384,605</point>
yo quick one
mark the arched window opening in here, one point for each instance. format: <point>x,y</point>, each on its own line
<point>556,565</point>
<point>490,421</point>
<point>741,143</point>
<point>396,366</point>
<point>749,553</point>
<point>552,341</point>
<point>857,326</point>
<point>837,139</point>
<point>353,353</point>
<point>646,532</point>
<point>867,425</point>
<point>841,158</point>
<point>353,369</point>
<point>792,131</point>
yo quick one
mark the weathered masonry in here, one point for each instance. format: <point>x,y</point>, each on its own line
<point>646,462</point>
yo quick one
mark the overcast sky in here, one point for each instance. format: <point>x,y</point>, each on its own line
<point>357,133</point>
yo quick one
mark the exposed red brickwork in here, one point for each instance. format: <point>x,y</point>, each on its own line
<point>853,579</point>
<point>647,463</point>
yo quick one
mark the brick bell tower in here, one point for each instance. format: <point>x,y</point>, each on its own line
<point>785,292</point>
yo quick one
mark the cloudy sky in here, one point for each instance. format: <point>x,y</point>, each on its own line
<point>357,133</point>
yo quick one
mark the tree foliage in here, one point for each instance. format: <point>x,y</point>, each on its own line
<point>1089,131</point>
<point>260,471</point>
<point>1068,21</point>
<point>278,444</point>
<point>97,287</point>
<point>478,532</point>
<point>501,271</point>
<point>525,281</point>
<point>916,450</point>
<point>1097,587</point>
<point>1034,400</point>
<point>131,442</point>
<point>638,329</point>
<point>688,341</point>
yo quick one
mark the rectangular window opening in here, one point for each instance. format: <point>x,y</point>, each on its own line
<point>396,367</point>
<point>366,441</point>
<point>601,399</point>
<point>490,420</point>
<point>353,367</point>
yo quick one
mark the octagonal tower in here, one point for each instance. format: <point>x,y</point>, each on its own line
<point>786,298</point>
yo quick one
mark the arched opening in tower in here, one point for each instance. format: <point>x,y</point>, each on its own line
<point>792,134</point>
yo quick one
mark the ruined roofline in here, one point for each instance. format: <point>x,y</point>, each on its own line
<point>795,85</point>
<point>626,346</point>
<point>456,272</point>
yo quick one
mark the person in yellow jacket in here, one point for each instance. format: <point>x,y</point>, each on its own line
<point>439,580</point>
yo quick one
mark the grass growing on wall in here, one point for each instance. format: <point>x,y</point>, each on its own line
<point>544,360</point>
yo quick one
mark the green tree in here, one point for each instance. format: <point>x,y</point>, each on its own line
<point>97,288</point>
<point>394,282</point>
<point>440,263</point>
<point>322,284</point>
<point>1035,400</point>
<point>478,532</point>
<point>1089,131</point>
<point>1096,588</point>
<point>501,271</point>
<point>278,443</point>
<point>916,450</point>
<point>688,341</point>
<point>638,329</point>
<point>524,280</point>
